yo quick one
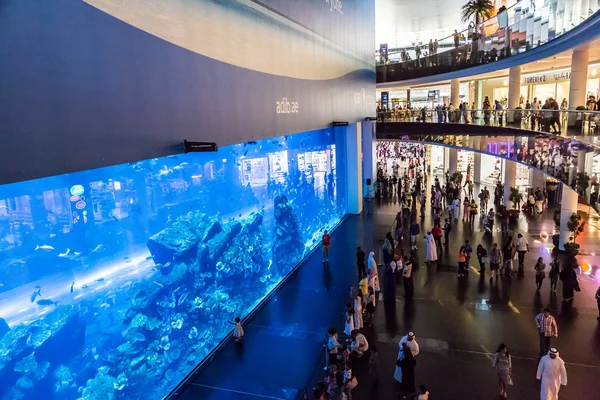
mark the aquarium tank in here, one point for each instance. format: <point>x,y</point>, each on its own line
<point>117,282</point>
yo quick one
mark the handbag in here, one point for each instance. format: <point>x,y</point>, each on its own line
<point>352,383</point>
<point>509,381</point>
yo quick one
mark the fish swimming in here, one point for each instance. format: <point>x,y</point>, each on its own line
<point>159,284</point>
<point>15,263</point>
<point>125,258</point>
<point>47,302</point>
<point>182,299</point>
<point>100,280</point>
<point>65,253</point>
<point>149,257</point>
<point>99,248</point>
<point>36,294</point>
<point>44,247</point>
<point>72,284</point>
<point>85,287</point>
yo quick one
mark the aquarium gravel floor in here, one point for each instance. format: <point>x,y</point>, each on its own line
<point>457,326</point>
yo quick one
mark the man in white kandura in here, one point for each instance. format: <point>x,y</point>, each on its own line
<point>412,344</point>
<point>551,370</point>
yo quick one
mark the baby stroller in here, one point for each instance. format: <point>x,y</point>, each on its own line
<point>488,221</point>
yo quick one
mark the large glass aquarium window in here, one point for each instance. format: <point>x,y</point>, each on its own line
<point>116,282</point>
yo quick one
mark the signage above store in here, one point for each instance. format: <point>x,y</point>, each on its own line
<point>546,78</point>
<point>536,79</point>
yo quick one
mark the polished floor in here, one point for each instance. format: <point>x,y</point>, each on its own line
<point>458,324</point>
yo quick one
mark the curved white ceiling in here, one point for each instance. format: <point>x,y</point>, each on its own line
<point>402,22</point>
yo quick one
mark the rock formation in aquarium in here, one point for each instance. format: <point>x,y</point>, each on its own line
<point>288,247</point>
<point>164,327</point>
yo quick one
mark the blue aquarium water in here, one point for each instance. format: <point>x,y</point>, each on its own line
<point>116,282</point>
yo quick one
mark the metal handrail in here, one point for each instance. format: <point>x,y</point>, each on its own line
<point>581,125</point>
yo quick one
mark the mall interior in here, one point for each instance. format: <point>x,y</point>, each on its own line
<point>245,199</point>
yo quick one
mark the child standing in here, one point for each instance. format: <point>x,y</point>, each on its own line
<point>358,314</point>
<point>539,273</point>
<point>348,320</point>
<point>373,364</point>
<point>554,273</point>
<point>238,332</point>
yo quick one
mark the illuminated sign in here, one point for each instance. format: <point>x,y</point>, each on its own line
<point>385,98</point>
<point>536,79</point>
<point>562,75</point>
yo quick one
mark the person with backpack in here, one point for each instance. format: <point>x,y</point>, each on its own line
<point>481,253</point>
<point>447,230</point>
<point>415,229</point>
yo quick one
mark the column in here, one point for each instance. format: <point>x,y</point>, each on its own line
<point>578,82</point>
<point>510,179</point>
<point>455,93</point>
<point>369,158</point>
<point>477,167</point>
<point>452,160</point>
<point>407,97</point>
<point>354,183</point>
<point>514,91</point>
<point>568,206</point>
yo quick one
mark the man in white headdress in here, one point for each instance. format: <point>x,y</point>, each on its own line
<point>412,344</point>
<point>551,370</point>
<point>431,249</point>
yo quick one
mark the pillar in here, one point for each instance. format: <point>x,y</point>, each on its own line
<point>477,167</point>
<point>354,181</point>
<point>452,160</point>
<point>478,94</point>
<point>455,93</point>
<point>407,97</point>
<point>369,153</point>
<point>568,206</point>
<point>510,179</point>
<point>514,90</point>
<point>578,83</point>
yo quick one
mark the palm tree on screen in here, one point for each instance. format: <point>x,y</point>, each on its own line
<point>480,9</point>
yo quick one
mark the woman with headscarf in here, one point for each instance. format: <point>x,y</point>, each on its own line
<point>373,274</point>
<point>389,288</point>
<point>569,279</point>
<point>407,363</point>
<point>388,248</point>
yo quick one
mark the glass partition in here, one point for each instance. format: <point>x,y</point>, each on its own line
<point>579,125</point>
<point>515,30</point>
<point>117,282</point>
<point>567,160</point>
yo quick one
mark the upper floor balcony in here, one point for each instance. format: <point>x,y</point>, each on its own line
<point>522,33</point>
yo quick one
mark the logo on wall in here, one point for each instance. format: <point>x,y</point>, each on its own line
<point>335,5</point>
<point>287,107</point>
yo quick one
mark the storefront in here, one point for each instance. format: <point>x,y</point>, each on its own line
<point>541,85</point>
<point>490,169</point>
<point>437,156</point>
<point>466,161</point>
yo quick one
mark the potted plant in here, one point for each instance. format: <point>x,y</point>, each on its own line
<point>576,226</point>
<point>556,236</point>
<point>515,198</point>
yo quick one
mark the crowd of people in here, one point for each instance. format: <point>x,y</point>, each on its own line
<point>352,349</point>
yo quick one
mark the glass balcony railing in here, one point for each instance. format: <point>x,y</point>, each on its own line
<point>578,125</point>
<point>567,159</point>
<point>520,28</point>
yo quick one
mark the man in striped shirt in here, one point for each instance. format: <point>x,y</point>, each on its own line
<point>546,325</point>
